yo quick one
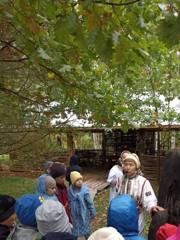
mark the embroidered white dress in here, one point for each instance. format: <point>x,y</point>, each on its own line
<point>140,189</point>
<point>114,173</point>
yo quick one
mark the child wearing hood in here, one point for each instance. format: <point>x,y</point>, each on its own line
<point>47,165</point>
<point>25,211</point>
<point>81,205</point>
<point>137,187</point>
<point>47,188</point>
<point>123,216</point>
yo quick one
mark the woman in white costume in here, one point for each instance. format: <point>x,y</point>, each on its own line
<point>138,187</point>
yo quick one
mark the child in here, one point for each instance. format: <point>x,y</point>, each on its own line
<point>51,217</point>
<point>138,187</point>
<point>47,188</point>
<point>7,215</point>
<point>82,208</point>
<point>25,210</point>
<point>58,172</point>
<point>176,236</point>
<point>123,216</point>
<point>106,233</point>
<point>165,231</point>
<point>41,178</point>
<point>73,166</point>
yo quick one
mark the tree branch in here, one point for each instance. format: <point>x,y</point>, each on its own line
<point>115,4</point>
<point>6,90</point>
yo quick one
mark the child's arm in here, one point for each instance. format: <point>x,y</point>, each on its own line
<point>90,204</point>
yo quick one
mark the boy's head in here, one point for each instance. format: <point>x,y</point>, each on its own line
<point>25,209</point>
<point>51,217</point>
<point>106,233</point>
<point>7,210</point>
<point>58,172</point>
<point>50,185</point>
<point>76,179</point>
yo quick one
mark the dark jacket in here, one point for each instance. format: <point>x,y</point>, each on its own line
<point>169,195</point>
<point>4,232</point>
<point>73,166</point>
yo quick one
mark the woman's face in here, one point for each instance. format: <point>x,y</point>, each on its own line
<point>129,168</point>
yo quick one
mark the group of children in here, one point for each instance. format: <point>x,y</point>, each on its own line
<point>58,212</point>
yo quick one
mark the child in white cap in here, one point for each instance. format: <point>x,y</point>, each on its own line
<point>106,233</point>
<point>81,205</point>
<point>138,187</point>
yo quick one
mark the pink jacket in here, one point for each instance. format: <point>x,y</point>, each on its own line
<point>175,236</point>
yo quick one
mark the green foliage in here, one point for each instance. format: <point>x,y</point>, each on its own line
<point>107,63</point>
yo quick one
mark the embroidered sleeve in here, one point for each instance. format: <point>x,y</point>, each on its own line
<point>149,199</point>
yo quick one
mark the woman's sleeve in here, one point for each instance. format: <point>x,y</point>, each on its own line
<point>149,199</point>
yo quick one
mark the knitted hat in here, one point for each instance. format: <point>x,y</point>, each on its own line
<point>135,159</point>
<point>51,217</point>
<point>175,236</point>
<point>106,233</point>
<point>57,170</point>
<point>58,236</point>
<point>165,231</point>
<point>25,209</point>
<point>7,204</point>
<point>75,176</point>
<point>50,182</point>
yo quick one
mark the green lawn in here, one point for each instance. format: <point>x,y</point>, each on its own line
<point>17,186</point>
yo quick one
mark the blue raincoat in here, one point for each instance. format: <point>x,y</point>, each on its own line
<point>123,215</point>
<point>82,210</point>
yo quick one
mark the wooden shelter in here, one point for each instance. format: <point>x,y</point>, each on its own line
<point>151,143</point>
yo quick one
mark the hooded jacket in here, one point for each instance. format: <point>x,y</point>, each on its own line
<point>82,210</point>
<point>41,188</point>
<point>123,216</point>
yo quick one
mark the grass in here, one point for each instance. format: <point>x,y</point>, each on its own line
<point>18,186</point>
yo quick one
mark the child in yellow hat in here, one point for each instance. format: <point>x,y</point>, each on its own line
<point>82,207</point>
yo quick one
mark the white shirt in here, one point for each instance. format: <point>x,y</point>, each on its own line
<point>114,174</point>
<point>137,190</point>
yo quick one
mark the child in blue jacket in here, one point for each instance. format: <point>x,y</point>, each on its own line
<point>82,207</point>
<point>123,216</point>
